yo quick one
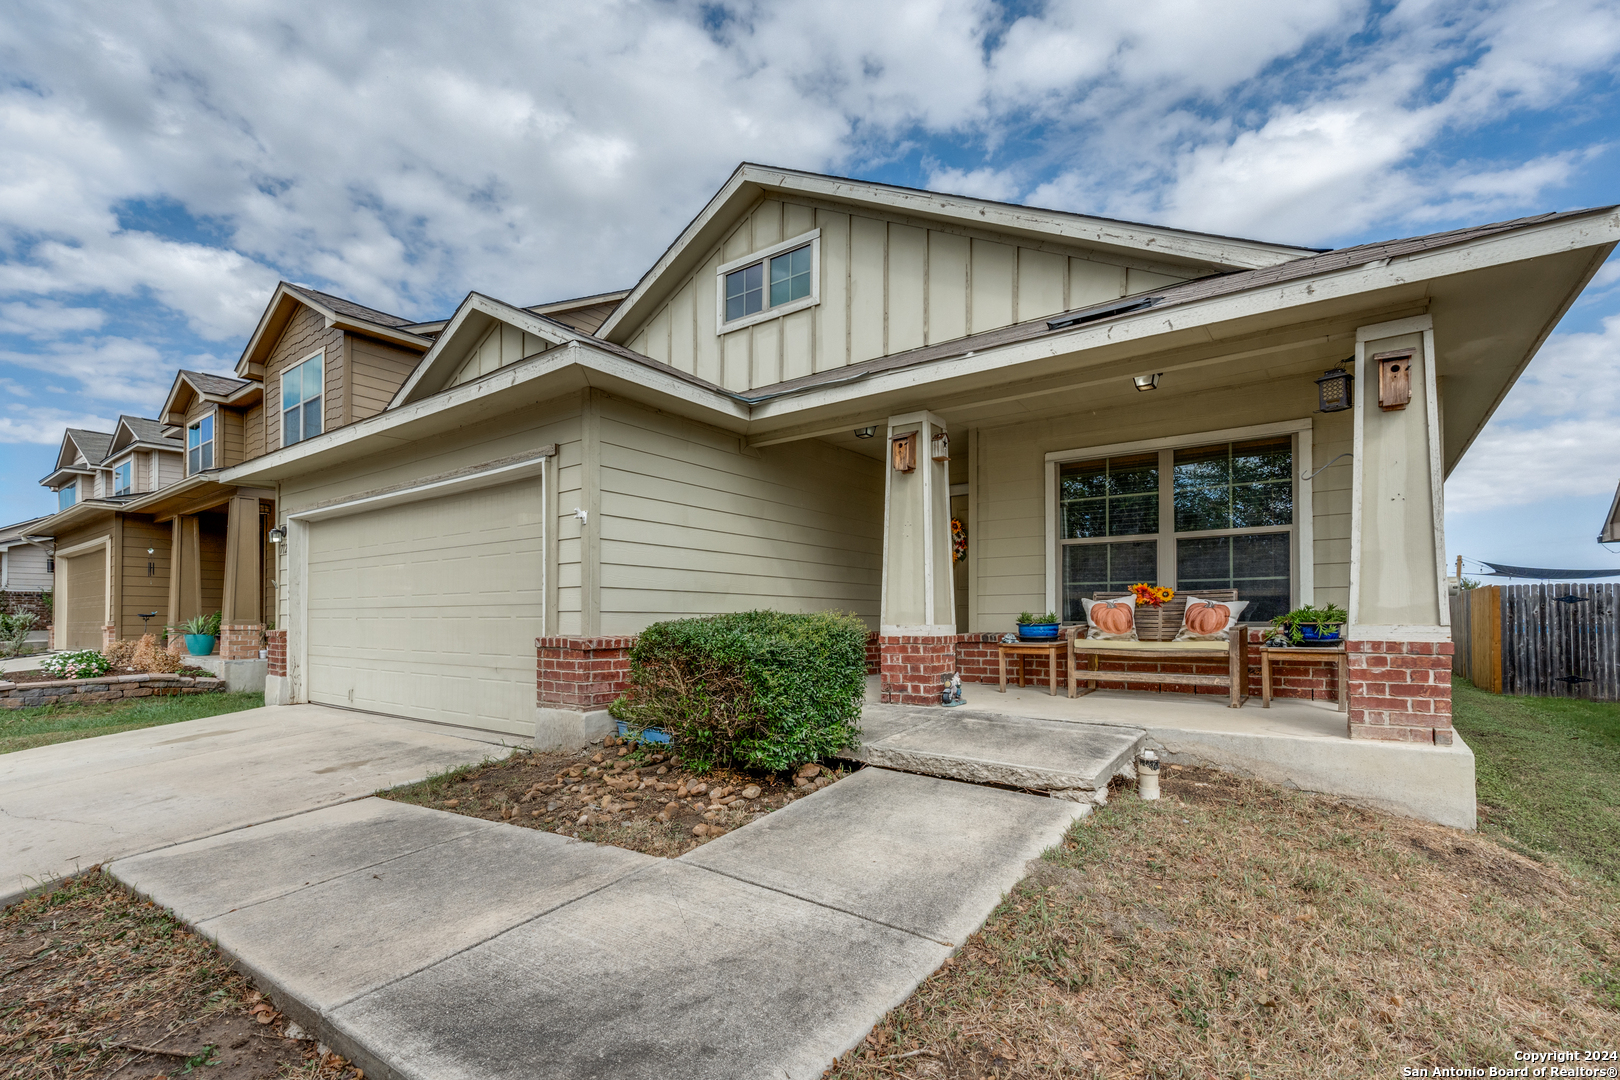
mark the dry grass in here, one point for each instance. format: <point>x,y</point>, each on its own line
<point>88,971</point>
<point>1235,929</point>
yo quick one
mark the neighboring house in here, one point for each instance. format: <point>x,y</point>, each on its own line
<point>111,565</point>
<point>25,558</point>
<point>1611,524</point>
<point>732,436</point>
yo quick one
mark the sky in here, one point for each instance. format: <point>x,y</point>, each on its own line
<point>163,165</point>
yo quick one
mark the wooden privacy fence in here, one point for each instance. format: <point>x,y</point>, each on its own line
<point>1539,640</point>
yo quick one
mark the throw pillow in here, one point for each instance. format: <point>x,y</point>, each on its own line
<point>1209,620</point>
<point>1112,620</point>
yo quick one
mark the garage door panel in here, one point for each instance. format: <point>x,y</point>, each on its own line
<point>86,599</point>
<point>431,609</point>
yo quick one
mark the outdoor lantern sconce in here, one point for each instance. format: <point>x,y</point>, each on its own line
<point>939,447</point>
<point>905,452</point>
<point>1147,382</point>
<point>865,432</point>
<point>1394,379</point>
<point>278,535</point>
<point>1336,390</point>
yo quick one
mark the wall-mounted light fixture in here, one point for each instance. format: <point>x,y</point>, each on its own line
<point>278,535</point>
<point>151,567</point>
<point>1147,382</point>
<point>865,432</point>
<point>1335,390</point>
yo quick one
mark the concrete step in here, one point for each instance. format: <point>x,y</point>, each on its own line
<point>1064,760</point>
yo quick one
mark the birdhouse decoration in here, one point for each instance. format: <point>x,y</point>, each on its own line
<point>905,452</point>
<point>1394,379</point>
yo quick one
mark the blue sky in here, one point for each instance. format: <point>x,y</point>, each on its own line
<point>162,165</point>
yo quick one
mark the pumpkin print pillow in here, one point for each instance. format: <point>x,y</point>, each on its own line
<point>1112,620</point>
<point>1209,620</point>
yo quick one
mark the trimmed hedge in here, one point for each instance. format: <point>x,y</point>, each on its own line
<point>758,689</point>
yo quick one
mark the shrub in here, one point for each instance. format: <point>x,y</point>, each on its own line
<point>14,628</point>
<point>85,664</point>
<point>758,689</point>
<point>152,658</point>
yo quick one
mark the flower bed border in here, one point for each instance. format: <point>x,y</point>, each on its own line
<point>104,688</point>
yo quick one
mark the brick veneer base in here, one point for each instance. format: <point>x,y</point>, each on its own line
<point>12,602</point>
<point>1401,691</point>
<point>109,636</point>
<point>241,641</point>
<point>108,688</point>
<point>582,672</point>
<point>276,641</point>
<point>915,668</point>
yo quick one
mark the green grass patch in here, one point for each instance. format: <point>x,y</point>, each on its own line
<point>1546,771</point>
<point>23,729</point>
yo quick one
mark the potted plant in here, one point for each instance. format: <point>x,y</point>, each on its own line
<point>201,633</point>
<point>1038,627</point>
<point>1311,625</point>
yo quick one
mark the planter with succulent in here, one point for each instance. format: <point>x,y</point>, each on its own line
<point>201,633</point>
<point>1311,625</point>
<point>1038,627</point>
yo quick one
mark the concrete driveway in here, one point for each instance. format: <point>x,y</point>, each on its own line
<point>75,804</point>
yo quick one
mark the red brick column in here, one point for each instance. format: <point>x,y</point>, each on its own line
<point>581,672</point>
<point>240,641</point>
<point>109,636</point>
<point>277,641</point>
<point>915,668</point>
<point>1401,691</point>
<point>874,654</point>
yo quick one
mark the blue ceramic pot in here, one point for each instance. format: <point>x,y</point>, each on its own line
<point>199,644</point>
<point>1314,635</point>
<point>1038,631</point>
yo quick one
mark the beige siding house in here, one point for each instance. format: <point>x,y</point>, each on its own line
<point>1094,402</point>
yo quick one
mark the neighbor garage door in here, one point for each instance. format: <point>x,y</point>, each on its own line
<point>86,599</point>
<point>430,609</point>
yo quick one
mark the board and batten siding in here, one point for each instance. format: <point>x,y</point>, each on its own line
<point>886,286</point>
<point>691,525</point>
<point>499,438</point>
<point>1008,542</point>
<point>503,344</point>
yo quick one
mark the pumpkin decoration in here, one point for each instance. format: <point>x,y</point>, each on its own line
<point>1114,616</point>
<point>1207,617</point>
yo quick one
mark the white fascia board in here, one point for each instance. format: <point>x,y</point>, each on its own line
<point>478,303</point>
<point>1491,251</point>
<point>377,330</point>
<point>597,367</point>
<point>264,320</point>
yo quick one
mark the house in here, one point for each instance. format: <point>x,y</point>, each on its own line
<point>819,374</point>
<point>26,562</point>
<point>1611,525</point>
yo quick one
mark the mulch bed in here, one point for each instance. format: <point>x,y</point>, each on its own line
<point>615,793</point>
<point>97,983</point>
<point>35,675</point>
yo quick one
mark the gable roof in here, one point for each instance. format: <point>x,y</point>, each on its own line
<point>1203,252</point>
<point>1611,525</point>
<point>140,431</point>
<point>92,444</point>
<point>338,312</point>
<point>221,389</point>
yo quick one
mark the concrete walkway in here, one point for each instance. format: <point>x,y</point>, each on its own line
<point>72,805</point>
<point>427,945</point>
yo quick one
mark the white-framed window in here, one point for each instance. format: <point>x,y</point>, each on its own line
<point>200,445</point>
<point>1220,511</point>
<point>301,391</point>
<point>768,284</point>
<point>67,496</point>
<point>123,477</point>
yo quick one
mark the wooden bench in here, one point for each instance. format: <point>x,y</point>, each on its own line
<point>1157,628</point>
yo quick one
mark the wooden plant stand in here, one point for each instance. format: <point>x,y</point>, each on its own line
<point>1049,649</point>
<point>1338,657</point>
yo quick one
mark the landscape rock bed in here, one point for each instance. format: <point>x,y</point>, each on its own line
<point>609,793</point>
<point>27,689</point>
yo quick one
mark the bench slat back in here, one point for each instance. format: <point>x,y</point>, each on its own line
<point>1163,623</point>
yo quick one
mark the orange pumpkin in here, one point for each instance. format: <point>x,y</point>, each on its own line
<point>1207,617</point>
<point>1114,616</point>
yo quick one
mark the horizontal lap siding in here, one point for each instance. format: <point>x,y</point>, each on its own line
<point>691,526</point>
<point>139,591</point>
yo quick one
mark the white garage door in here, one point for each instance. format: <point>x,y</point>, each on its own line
<point>430,609</point>
<point>86,599</point>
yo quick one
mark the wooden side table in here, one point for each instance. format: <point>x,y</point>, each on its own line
<point>1050,649</point>
<point>1338,657</point>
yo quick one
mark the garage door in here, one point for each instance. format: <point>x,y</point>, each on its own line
<point>86,599</point>
<point>430,609</point>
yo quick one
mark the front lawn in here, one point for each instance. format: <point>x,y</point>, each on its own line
<point>23,729</point>
<point>1546,770</point>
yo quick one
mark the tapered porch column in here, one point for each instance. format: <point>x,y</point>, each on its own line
<point>185,570</point>
<point>242,607</point>
<point>917,637</point>
<point>1399,639</point>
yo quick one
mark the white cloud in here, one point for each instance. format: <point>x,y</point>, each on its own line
<point>45,426</point>
<point>48,318</point>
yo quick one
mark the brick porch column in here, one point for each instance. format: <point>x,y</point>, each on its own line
<point>917,633</point>
<point>577,678</point>
<point>1401,691</point>
<point>109,635</point>
<point>276,640</point>
<point>240,641</point>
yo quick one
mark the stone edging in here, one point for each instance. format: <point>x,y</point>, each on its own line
<point>104,688</point>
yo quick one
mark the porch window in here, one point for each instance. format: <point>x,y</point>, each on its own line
<point>200,446</point>
<point>67,496</point>
<point>301,390</point>
<point>773,282</point>
<point>122,477</point>
<point>1216,516</point>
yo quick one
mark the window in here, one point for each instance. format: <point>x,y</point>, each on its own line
<point>122,477</point>
<point>1219,516</point>
<point>773,282</point>
<point>200,446</point>
<point>67,496</point>
<point>301,402</point>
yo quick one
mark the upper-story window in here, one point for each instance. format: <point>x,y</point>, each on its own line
<point>67,496</point>
<point>123,477</point>
<point>770,283</point>
<point>200,446</point>
<point>301,401</point>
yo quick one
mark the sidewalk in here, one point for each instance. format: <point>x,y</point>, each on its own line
<point>428,945</point>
